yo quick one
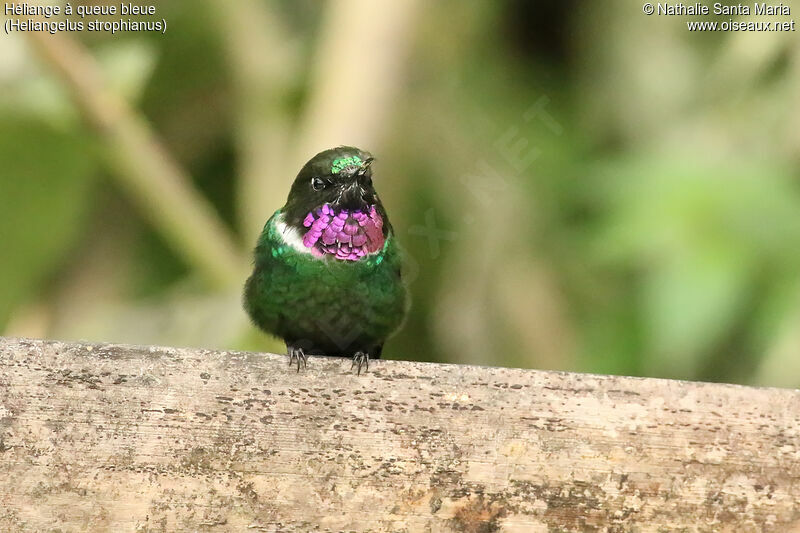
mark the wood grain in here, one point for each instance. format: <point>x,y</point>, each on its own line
<point>122,438</point>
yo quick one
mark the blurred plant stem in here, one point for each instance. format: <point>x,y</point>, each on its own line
<point>33,319</point>
<point>161,189</point>
<point>263,60</point>
<point>349,99</point>
<point>780,366</point>
<point>793,133</point>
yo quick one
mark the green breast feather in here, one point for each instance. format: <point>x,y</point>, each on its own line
<point>333,305</point>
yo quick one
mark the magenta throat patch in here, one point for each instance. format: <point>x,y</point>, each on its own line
<point>346,235</point>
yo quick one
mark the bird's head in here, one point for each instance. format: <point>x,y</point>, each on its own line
<point>337,183</point>
<point>340,177</point>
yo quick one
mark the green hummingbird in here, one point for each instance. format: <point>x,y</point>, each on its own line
<point>327,265</point>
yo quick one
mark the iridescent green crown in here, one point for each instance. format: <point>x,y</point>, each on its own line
<point>341,163</point>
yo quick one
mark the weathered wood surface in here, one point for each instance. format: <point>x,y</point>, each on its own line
<point>121,438</point>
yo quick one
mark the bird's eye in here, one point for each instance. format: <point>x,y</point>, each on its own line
<point>317,183</point>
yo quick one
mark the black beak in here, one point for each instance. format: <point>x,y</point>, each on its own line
<point>365,166</point>
<point>352,171</point>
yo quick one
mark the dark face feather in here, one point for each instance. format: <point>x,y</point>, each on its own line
<point>340,177</point>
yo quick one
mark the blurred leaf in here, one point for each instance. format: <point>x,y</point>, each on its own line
<point>779,334</point>
<point>689,302</point>
<point>127,66</point>
<point>24,89</point>
<point>697,234</point>
<point>43,197</point>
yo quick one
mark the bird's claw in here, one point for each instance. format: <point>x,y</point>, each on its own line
<point>360,359</point>
<point>297,354</point>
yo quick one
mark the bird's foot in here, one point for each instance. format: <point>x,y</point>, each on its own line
<point>360,359</point>
<point>296,353</point>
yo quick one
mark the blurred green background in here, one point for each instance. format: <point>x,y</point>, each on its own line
<point>577,186</point>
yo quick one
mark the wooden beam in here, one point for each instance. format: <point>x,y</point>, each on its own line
<point>98,437</point>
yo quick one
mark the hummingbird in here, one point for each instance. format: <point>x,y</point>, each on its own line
<point>326,275</point>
